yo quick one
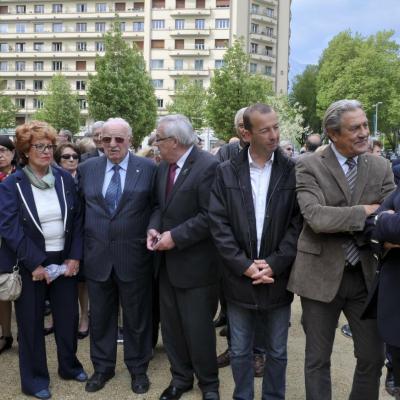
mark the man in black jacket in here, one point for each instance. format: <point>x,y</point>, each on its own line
<point>255,222</point>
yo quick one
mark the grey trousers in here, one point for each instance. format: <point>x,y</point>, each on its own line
<point>320,322</point>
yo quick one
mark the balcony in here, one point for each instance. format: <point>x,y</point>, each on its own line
<point>189,72</point>
<point>263,56</point>
<point>45,72</point>
<point>189,32</point>
<point>268,2</point>
<point>263,17</point>
<point>263,37</point>
<point>187,12</point>
<point>49,54</point>
<point>189,52</point>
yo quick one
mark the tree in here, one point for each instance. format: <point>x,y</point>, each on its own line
<point>122,87</point>
<point>189,100</point>
<point>60,105</point>
<point>231,88</point>
<point>304,92</point>
<point>366,69</point>
<point>7,112</point>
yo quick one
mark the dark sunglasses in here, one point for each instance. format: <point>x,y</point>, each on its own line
<point>107,139</point>
<point>68,156</point>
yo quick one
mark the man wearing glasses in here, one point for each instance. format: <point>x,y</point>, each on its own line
<point>116,189</point>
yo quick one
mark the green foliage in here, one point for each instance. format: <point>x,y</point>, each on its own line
<point>231,88</point>
<point>7,112</point>
<point>60,105</point>
<point>122,87</point>
<point>189,100</point>
<point>304,92</point>
<point>366,69</point>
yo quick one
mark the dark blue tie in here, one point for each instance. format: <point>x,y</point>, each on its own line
<point>113,193</point>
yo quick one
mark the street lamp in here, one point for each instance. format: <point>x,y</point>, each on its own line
<point>376,117</point>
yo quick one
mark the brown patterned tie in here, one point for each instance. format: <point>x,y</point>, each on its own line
<point>171,178</point>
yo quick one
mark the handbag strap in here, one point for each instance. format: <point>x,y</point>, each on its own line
<point>16,267</point>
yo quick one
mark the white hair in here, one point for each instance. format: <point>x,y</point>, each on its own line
<point>179,127</point>
<point>119,121</point>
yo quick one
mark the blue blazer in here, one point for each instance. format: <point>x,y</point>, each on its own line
<point>20,229</point>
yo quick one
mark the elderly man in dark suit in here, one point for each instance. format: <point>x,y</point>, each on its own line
<point>179,234</point>
<point>337,189</point>
<point>118,268</point>
<point>95,134</point>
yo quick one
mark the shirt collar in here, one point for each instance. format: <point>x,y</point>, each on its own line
<point>182,160</point>
<point>340,157</point>
<point>252,164</point>
<point>123,164</point>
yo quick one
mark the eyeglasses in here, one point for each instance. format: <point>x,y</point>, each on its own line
<point>289,149</point>
<point>108,139</point>
<point>41,148</point>
<point>69,156</point>
<point>158,139</point>
<point>4,150</point>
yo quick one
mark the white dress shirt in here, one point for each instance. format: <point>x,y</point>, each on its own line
<point>181,162</point>
<point>110,172</point>
<point>342,159</point>
<point>260,177</point>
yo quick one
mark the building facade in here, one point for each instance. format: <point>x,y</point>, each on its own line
<point>177,37</point>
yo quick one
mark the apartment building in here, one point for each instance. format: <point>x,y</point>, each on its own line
<point>177,37</point>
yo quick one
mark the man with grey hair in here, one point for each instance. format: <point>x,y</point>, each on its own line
<point>95,134</point>
<point>116,190</point>
<point>186,262</point>
<point>337,188</point>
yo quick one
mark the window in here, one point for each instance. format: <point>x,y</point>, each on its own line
<point>270,12</point>
<point>158,24</point>
<point>119,6</point>
<point>179,44</point>
<point>19,47</point>
<point>139,44</point>
<point>221,43</point>
<point>101,7</point>
<point>255,8</point>
<point>20,27</point>
<point>81,46</point>
<point>199,82</point>
<point>138,5</point>
<point>39,27</point>
<point>222,3</point>
<point>38,65</point>
<point>3,66</point>
<point>219,64</point>
<point>3,28</point>
<point>222,23</point>
<point>199,44</point>
<point>253,48</point>
<point>253,68</point>
<point>178,84</point>
<point>268,51</point>
<point>20,65</point>
<point>37,103</point>
<point>82,104</point>
<point>80,65</point>
<point>269,31</point>
<point>80,85</point>
<point>158,83</point>
<point>81,7</point>
<point>122,26</point>
<point>254,28</point>
<point>160,103</point>
<point>156,64</point>
<point>38,46</point>
<point>157,44</point>
<point>37,85</point>
<point>158,4</point>
<point>138,26</point>
<point>200,3</point>
<point>179,3</point>
<point>19,85</point>
<point>58,27</point>
<point>100,27</point>
<point>199,24</point>
<point>268,70</point>
<point>179,64</point>
<point>57,8</point>
<point>179,24</point>
<point>3,10</point>
<point>3,47</point>
<point>81,27</point>
<point>20,9</point>
<point>20,102</point>
<point>56,46</point>
<point>198,65</point>
<point>57,65</point>
<point>100,46</point>
<point>38,9</point>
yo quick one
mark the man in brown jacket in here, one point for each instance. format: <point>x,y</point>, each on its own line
<point>337,189</point>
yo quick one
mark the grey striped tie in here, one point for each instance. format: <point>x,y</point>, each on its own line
<point>352,252</point>
<point>113,192</point>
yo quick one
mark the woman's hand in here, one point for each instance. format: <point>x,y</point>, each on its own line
<point>40,274</point>
<point>72,267</point>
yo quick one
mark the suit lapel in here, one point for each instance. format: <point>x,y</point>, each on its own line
<point>332,164</point>
<point>362,176</point>
<point>59,190</point>
<point>97,179</point>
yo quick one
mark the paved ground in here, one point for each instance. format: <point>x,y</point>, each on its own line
<point>119,387</point>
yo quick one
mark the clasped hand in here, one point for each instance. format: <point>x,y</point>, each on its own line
<point>260,272</point>
<point>157,241</point>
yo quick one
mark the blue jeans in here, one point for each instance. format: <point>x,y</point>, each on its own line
<point>242,324</point>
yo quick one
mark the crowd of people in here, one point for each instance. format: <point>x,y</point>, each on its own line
<point>161,237</point>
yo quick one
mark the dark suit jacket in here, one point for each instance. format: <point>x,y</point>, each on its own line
<point>387,229</point>
<point>90,154</point>
<point>116,241</point>
<point>20,237</point>
<point>332,215</point>
<point>192,263</point>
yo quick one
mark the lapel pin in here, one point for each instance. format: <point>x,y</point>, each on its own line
<point>185,171</point>
<point>137,170</point>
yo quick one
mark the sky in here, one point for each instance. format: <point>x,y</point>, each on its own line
<point>315,22</point>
